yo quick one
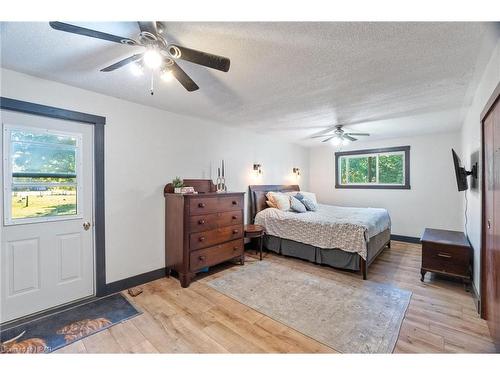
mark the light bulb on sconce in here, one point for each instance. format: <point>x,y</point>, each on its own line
<point>296,172</point>
<point>257,170</point>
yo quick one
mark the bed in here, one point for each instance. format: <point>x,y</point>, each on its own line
<point>341,237</point>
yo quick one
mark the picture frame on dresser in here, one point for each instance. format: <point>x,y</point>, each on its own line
<point>202,230</point>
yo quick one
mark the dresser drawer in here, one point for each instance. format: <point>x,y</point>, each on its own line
<point>203,205</point>
<point>200,223</point>
<point>216,254</point>
<point>207,205</point>
<point>230,203</point>
<point>214,236</point>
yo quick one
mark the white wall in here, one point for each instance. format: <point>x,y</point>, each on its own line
<point>433,200</point>
<point>145,149</point>
<point>471,143</point>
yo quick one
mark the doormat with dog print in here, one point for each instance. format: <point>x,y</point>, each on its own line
<point>52,332</point>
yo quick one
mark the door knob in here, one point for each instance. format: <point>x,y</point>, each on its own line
<point>489,224</point>
<point>86,225</point>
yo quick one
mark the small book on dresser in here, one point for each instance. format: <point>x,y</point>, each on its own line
<point>202,230</point>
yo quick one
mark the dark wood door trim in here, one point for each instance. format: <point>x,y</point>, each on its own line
<point>98,122</point>
<point>494,98</point>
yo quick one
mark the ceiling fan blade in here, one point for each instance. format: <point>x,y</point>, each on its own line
<point>123,62</point>
<point>91,33</point>
<point>320,136</point>
<point>202,58</point>
<point>326,140</point>
<point>183,78</point>
<point>148,26</point>
<point>361,134</point>
<point>352,139</point>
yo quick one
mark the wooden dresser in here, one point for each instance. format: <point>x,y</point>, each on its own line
<point>202,230</point>
<point>446,252</point>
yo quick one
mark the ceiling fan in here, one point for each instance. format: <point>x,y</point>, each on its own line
<point>159,54</point>
<point>339,136</point>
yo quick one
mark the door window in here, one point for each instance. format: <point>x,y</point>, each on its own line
<point>42,172</point>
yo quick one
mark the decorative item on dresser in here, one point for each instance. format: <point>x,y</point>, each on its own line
<point>202,230</point>
<point>446,252</point>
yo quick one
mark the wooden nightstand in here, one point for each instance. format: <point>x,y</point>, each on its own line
<point>255,231</point>
<point>446,252</point>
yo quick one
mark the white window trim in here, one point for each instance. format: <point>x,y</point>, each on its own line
<point>7,176</point>
<point>377,183</point>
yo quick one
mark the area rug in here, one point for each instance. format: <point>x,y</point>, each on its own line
<point>54,331</point>
<point>349,317</point>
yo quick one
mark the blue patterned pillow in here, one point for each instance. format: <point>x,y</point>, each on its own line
<point>297,205</point>
<point>308,203</point>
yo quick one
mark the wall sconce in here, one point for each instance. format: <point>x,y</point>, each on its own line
<point>296,172</point>
<point>257,169</point>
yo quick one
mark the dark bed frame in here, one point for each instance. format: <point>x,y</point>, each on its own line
<point>257,199</point>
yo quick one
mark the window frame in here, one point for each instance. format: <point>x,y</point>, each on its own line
<point>374,151</point>
<point>8,176</point>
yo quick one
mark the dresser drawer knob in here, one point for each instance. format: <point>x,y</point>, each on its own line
<point>444,255</point>
<point>235,248</point>
<point>235,231</point>
<point>235,217</point>
<point>201,239</point>
<point>201,221</point>
<point>235,203</point>
<point>201,205</point>
<point>202,257</point>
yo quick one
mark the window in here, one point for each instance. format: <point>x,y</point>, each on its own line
<point>386,168</point>
<point>41,175</point>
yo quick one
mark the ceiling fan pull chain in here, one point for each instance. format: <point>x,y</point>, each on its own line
<point>151,90</point>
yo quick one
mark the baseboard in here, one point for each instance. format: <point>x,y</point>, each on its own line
<point>409,239</point>
<point>475,296</point>
<point>130,282</point>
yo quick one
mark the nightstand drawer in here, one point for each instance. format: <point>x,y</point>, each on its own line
<point>446,259</point>
<point>445,252</point>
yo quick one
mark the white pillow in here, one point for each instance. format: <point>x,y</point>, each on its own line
<point>280,200</point>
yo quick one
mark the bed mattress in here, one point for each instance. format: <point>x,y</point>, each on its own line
<point>330,227</point>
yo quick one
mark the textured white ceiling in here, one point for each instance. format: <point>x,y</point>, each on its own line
<point>286,79</point>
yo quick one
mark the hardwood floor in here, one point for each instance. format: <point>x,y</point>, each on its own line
<point>441,317</point>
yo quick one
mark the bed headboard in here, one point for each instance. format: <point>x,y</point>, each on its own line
<point>257,196</point>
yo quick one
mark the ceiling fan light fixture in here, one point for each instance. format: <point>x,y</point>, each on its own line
<point>166,75</point>
<point>174,51</point>
<point>152,59</point>
<point>136,69</point>
<point>336,141</point>
<point>345,141</point>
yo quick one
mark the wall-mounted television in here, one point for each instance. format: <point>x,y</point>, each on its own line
<point>461,173</point>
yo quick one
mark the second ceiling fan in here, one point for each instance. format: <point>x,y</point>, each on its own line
<point>159,53</point>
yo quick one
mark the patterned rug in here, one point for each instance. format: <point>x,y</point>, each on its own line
<point>52,332</point>
<point>350,317</point>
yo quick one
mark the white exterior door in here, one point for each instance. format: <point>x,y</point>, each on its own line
<point>47,242</point>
